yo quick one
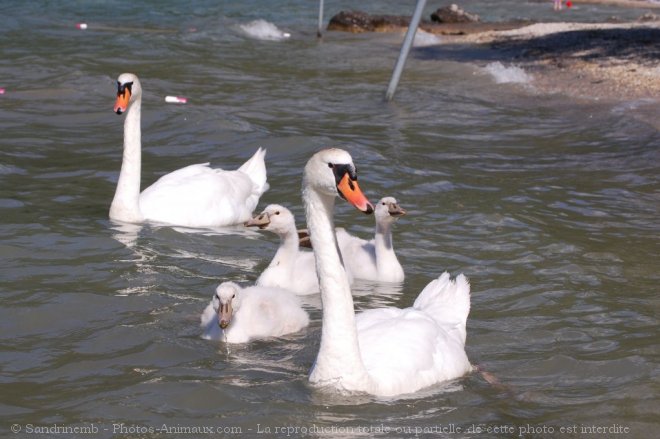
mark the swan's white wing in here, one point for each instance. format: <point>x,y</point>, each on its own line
<point>359,255</point>
<point>349,242</point>
<point>255,168</point>
<point>405,350</point>
<point>184,173</point>
<point>306,281</point>
<point>199,196</point>
<point>297,275</point>
<point>447,302</point>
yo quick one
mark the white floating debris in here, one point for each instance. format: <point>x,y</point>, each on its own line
<point>264,30</point>
<point>81,26</point>
<point>175,100</point>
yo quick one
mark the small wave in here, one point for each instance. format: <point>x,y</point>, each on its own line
<point>425,39</point>
<point>503,74</point>
<point>11,169</point>
<point>637,104</point>
<point>264,30</point>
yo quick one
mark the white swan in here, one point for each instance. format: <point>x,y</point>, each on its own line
<point>386,351</point>
<point>194,196</point>
<point>374,259</point>
<point>238,315</point>
<point>290,268</point>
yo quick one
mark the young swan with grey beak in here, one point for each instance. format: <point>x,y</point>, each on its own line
<point>238,315</point>
<point>290,268</point>
<point>375,259</point>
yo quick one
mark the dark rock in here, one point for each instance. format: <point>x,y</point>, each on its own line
<point>358,21</point>
<point>453,14</point>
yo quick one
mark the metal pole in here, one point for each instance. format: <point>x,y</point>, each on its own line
<point>318,32</point>
<point>405,48</point>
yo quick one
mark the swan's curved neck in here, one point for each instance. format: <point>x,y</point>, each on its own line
<point>386,259</point>
<point>383,236</point>
<point>338,362</point>
<point>288,249</point>
<point>126,203</point>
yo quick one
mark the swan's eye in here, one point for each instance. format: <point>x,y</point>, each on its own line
<point>330,165</point>
<point>383,203</point>
<point>277,213</point>
<point>233,296</point>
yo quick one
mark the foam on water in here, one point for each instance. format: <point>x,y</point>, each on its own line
<point>264,30</point>
<point>424,39</point>
<point>503,74</point>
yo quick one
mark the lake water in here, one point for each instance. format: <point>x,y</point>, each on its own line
<point>551,206</point>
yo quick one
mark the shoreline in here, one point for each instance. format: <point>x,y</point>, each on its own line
<point>614,61</point>
<point>602,61</point>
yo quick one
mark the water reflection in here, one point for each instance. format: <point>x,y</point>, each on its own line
<point>126,233</point>
<point>370,294</point>
<point>183,247</point>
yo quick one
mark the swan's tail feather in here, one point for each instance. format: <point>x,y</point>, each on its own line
<point>255,168</point>
<point>447,301</point>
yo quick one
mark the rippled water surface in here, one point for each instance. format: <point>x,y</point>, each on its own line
<point>550,206</point>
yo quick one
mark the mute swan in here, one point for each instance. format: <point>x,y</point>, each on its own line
<point>374,259</point>
<point>290,268</point>
<point>194,196</point>
<point>238,315</point>
<point>385,351</point>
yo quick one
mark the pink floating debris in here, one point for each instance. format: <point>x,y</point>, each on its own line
<point>2,91</point>
<point>81,26</point>
<point>175,100</point>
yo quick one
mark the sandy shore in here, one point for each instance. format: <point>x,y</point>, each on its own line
<point>610,61</point>
<point>614,61</point>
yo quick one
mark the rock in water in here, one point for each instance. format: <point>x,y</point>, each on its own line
<point>453,14</point>
<point>358,21</point>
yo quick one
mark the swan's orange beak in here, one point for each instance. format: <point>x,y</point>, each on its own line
<point>123,96</point>
<point>351,192</point>
<point>224,315</point>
